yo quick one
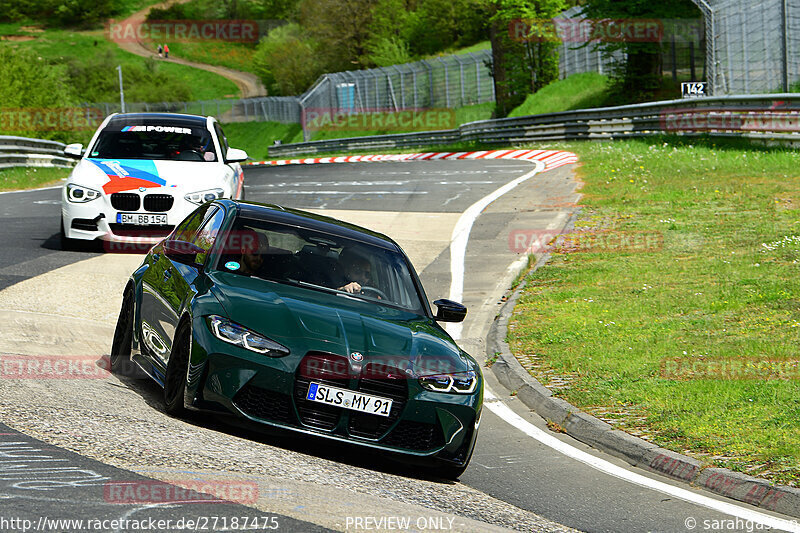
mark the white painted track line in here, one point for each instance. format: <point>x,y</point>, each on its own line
<point>460,237</point>
<point>503,411</point>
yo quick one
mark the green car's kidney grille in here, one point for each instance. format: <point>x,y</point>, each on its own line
<point>390,385</point>
<point>320,367</point>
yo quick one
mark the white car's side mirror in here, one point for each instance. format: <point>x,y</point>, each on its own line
<point>74,150</point>
<point>235,155</point>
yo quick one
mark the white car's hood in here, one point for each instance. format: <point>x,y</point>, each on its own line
<point>119,175</point>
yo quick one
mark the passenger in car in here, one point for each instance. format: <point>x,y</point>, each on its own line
<point>253,255</point>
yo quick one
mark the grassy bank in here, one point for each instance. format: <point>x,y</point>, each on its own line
<point>579,91</point>
<point>685,331</point>
<point>12,179</point>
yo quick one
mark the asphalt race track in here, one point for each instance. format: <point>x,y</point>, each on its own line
<point>113,430</point>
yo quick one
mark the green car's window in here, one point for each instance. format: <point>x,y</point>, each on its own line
<point>207,234</point>
<point>187,229</point>
<point>319,261</point>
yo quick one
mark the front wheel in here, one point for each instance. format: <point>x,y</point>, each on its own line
<point>123,334</point>
<point>177,368</point>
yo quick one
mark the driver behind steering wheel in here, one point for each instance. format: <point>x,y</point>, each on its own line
<point>357,271</point>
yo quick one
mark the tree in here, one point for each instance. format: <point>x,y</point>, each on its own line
<point>637,76</point>
<point>437,25</point>
<point>523,64</point>
<point>341,27</point>
<point>287,61</point>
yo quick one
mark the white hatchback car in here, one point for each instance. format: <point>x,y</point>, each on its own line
<point>143,173</point>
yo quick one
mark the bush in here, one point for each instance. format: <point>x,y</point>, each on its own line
<point>82,13</point>
<point>286,61</point>
<point>97,80</point>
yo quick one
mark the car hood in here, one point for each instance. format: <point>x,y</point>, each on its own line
<point>306,320</point>
<point>119,175</point>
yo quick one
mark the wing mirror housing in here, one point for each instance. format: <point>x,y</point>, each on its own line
<point>450,311</point>
<point>235,155</point>
<point>75,150</point>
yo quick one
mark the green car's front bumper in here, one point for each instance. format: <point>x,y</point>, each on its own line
<point>272,392</point>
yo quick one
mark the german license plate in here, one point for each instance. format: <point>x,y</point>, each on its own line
<point>349,399</point>
<point>142,219</point>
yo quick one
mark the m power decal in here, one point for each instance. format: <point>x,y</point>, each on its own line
<point>129,174</point>
<point>160,129</point>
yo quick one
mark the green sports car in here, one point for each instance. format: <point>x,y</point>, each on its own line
<point>293,320</point>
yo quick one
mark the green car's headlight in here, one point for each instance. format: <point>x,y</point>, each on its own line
<point>459,383</point>
<point>78,194</point>
<point>233,333</point>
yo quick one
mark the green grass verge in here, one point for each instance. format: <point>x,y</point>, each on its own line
<point>12,179</point>
<point>608,326</point>
<point>579,91</point>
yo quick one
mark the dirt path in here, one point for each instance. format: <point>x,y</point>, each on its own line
<point>249,84</point>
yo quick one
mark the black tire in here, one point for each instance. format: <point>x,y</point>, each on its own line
<point>177,368</point>
<point>123,335</point>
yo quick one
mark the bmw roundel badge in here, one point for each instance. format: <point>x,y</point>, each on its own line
<point>357,357</point>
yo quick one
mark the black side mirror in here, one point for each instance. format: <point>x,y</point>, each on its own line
<point>450,311</point>
<point>182,251</point>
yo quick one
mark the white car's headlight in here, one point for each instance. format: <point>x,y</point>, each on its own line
<point>234,333</point>
<point>459,383</point>
<point>79,194</point>
<point>201,197</point>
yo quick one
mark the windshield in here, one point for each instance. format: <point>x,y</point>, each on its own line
<point>162,141</point>
<point>319,261</point>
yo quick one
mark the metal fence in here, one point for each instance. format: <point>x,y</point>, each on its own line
<point>575,58</point>
<point>444,82</point>
<point>447,81</point>
<point>283,109</point>
<point>682,45</point>
<point>752,46</point>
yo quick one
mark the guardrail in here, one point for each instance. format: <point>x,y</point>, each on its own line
<point>26,152</point>
<point>774,117</point>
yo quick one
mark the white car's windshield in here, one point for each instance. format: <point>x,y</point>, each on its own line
<point>163,141</point>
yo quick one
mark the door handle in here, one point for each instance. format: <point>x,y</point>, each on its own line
<point>167,274</point>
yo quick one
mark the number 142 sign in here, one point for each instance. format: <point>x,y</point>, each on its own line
<point>694,89</point>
